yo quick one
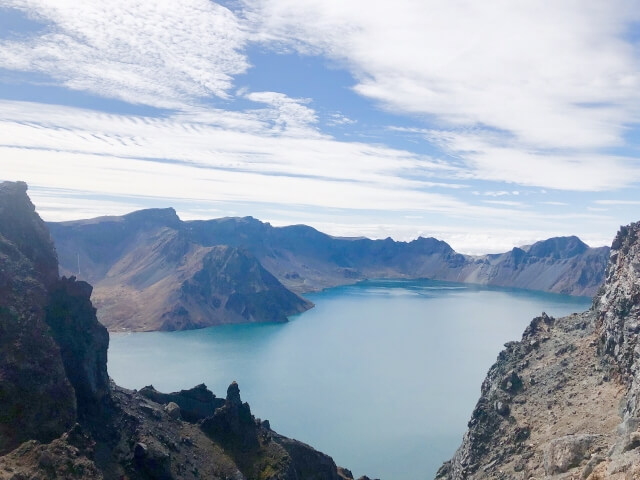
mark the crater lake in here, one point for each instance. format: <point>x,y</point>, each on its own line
<point>381,375</point>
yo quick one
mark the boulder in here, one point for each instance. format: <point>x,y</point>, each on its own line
<point>173,410</point>
<point>564,453</point>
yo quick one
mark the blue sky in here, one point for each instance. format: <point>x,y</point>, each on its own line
<point>488,125</point>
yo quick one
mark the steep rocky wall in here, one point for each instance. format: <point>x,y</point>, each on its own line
<point>36,399</point>
<point>83,341</point>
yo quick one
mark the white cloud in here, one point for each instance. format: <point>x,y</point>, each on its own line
<point>506,203</point>
<point>290,113</point>
<point>617,202</point>
<point>490,159</point>
<point>521,92</point>
<point>247,142</point>
<point>243,159</point>
<point>161,53</point>
<point>338,118</point>
<point>494,193</point>
<point>556,75</point>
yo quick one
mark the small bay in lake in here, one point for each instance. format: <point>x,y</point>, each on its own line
<point>382,375</point>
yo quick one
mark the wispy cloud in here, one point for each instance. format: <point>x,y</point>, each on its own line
<point>490,159</point>
<point>291,114</point>
<point>496,193</point>
<point>249,142</point>
<point>163,54</point>
<point>506,203</point>
<point>248,159</point>
<point>340,119</point>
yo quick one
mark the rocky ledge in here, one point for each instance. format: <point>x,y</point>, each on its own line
<point>564,402</point>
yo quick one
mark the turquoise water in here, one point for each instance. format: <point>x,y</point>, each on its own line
<point>382,375</point>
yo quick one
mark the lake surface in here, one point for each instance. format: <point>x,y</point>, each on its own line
<point>382,375</point>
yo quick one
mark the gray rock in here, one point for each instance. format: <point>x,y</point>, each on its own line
<point>564,453</point>
<point>173,410</point>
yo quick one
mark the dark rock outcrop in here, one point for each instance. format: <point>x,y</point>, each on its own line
<point>195,404</point>
<point>261,451</point>
<point>232,424</point>
<point>83,341</point>
<point>36,399</point>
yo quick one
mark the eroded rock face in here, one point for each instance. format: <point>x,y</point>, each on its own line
<point>618,306</point>
<point>83,341</point>
<point>21,225</point>
<point>564,453</point>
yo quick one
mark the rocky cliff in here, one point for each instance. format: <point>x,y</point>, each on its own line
<point>62,418</point>
<point>306,260</point>
<point>152,271</point>
<point>36,397</point>
<point>564,401</point>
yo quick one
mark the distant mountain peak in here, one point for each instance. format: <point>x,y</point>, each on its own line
<point>162,216</point>
<point>558,247</point>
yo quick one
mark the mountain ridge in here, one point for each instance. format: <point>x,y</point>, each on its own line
<point>141,265</point>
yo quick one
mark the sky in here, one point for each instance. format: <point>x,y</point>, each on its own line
<point>485,124</point>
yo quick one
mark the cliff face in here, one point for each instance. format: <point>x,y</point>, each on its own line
<point>564,401</point>
<point>62,418</point>
<point>36,399</point>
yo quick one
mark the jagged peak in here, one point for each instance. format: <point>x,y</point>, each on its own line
<point>431,241</point>
<point>21,225</point>
<point>233,394</point>
<point>13,188</point>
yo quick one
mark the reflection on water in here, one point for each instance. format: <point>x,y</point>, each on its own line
<point>382,375</point>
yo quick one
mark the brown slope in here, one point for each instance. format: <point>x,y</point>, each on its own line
<point>165,282</point>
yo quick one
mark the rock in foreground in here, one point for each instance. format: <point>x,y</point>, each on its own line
<point>563,402</point>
